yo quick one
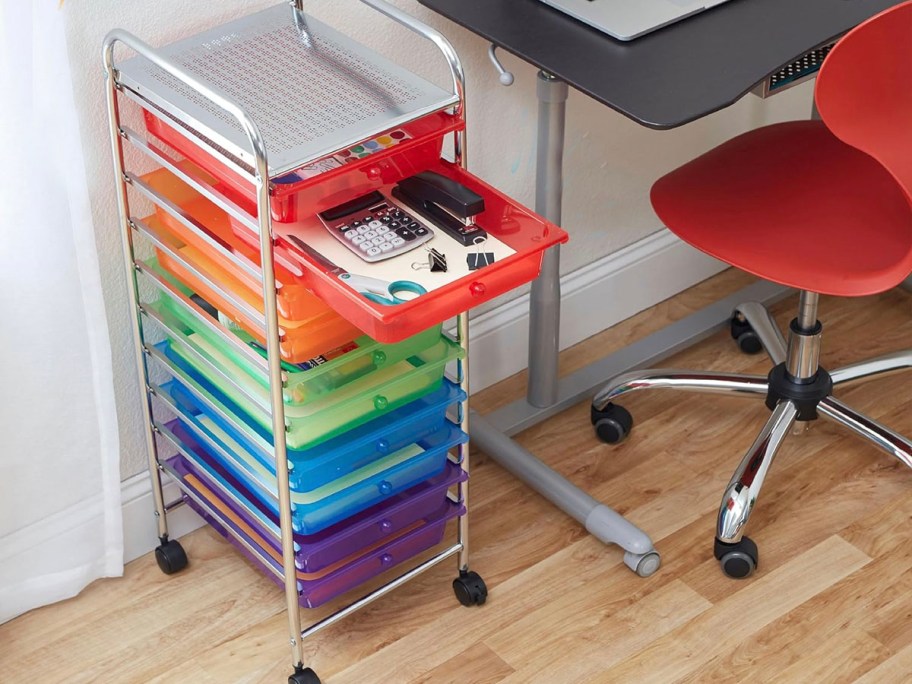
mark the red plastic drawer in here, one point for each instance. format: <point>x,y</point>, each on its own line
<point>415,147</point>
<point>528,234</point>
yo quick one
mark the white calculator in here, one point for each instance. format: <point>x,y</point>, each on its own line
<point>374,227</point>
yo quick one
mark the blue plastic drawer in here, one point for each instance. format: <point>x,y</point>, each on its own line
<point>312,468</point>
<point>315,510</point>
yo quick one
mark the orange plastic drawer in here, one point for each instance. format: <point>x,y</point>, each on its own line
<point>316,329</point>
<point>388,158</point>
<point>525,234</point>
<point>294,300</point>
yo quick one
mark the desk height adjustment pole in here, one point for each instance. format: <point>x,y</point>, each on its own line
<point>544,315</point>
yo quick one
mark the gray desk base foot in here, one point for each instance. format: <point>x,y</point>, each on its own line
<point>907,283</point>
<point>490,432</point>
<point>601,521</point>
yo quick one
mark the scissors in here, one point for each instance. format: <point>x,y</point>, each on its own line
<point>381,291</point>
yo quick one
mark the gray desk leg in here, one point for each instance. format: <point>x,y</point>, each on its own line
<point>544,309</point>
<point>907,283</point>
<point>602,522</point>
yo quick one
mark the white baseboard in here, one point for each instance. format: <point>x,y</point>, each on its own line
<point>593,298</point>
<point>139,526</point>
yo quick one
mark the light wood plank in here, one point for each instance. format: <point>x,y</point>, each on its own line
<point>894,670</point>
<point>568,649</point>
<point>684,649</point>
<point>840,660</point>
<point>477,664</point>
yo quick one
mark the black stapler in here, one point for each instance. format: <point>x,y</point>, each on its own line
<point>449,204</point>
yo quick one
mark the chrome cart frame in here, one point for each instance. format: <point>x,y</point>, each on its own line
<point>259,177</point>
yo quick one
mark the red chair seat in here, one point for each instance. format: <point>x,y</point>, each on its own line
<point>793,204</point>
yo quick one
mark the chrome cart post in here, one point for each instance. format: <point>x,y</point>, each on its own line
<point>261,175</point>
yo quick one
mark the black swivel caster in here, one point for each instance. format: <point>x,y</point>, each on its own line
<point>304,675</point>
<point>742,333</point>
<point>612,424</point>
<point>470,589</point>
<point>170,556</point>
<point>738,560</point>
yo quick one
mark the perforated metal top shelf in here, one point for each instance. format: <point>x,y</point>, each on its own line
<point>312,90</point>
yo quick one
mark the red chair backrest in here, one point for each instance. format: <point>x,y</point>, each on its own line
<point>864,90</point>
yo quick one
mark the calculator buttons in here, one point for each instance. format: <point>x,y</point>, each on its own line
<point>385,232</point>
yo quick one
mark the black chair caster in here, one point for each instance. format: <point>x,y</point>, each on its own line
<point>170,556</point>
<point>612,424</point>
<point>304,675</point>
<point>470,589</point>
<point>738,560</point>
<point>742,333</point>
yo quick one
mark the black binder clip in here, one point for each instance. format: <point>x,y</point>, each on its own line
<point>437,262</point>
<point>479,258</point>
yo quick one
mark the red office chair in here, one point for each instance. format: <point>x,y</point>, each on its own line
<point>821,206</point>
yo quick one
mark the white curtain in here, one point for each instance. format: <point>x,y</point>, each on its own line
<point>60,516</point>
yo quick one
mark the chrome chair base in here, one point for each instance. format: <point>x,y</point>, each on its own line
<point>737,553</point>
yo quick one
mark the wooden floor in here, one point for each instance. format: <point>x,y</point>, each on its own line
<point>831,601</point>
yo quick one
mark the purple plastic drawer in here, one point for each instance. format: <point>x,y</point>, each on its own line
<point>315,589</point>
<point>317,551</point>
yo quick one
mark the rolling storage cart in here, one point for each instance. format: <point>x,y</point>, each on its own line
<point>308,419</point>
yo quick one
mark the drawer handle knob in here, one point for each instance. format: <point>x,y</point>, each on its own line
<point>380,403</point>
<point>383,446</point>
<point>386,559</point>
<point>385,487</point>
<point>386,526</point>
<point>477,289</point>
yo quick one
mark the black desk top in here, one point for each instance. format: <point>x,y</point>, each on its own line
<point>677,74</point>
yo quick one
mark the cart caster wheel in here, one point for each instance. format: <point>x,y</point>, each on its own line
<point>470,589</point>
<point>742,333</point>
<point>738,560</point>
<point>304,676</point>
<point>612,424</point>
<point>643,564</point>
<point>170,557</point>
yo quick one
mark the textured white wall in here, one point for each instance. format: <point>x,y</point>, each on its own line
<point>610,162</point>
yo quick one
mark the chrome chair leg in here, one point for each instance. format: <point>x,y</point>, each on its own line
<point>690,380</point>
<point>889,363</point>
<point>894,444</point>
<point>762,322</point>
<point>744,488</point>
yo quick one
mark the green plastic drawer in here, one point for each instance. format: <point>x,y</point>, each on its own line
<point>304,382</point>
<point>331,414</point>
